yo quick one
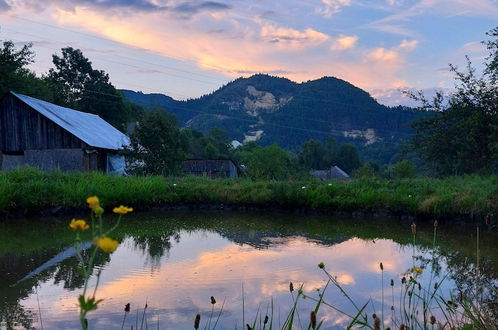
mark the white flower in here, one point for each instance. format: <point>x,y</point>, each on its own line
<point>174,184</point>
<point>303,187</point>
<point>410,196</point>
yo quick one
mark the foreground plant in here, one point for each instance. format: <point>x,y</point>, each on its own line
<point>100,241</point>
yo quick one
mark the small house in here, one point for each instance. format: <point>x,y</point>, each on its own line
<point>47,136</point>
<point>213,168</point>
<point>335,173</point>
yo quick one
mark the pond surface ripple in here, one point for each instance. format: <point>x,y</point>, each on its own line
<point>175,262</point>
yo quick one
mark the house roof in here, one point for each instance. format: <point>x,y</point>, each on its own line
<point>337,173</point>
<point>88,127</point>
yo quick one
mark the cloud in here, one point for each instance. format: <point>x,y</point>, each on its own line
<point>344,42</point>
<point>185,9</point>
<point>295,38</point>
<point>192,8</point>
<point>408,45</point>
<point>383,54</point>
<point>331,7</point>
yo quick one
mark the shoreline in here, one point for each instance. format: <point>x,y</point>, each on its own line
<point>59,212</point>
<point>29,193</point>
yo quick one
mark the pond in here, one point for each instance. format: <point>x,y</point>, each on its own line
<point>174,262</point>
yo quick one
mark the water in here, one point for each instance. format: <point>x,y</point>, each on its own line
<point>176,262</point>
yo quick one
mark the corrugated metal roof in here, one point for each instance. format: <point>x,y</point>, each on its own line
<point>88,127</point>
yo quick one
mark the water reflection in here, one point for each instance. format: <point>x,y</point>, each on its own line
<point>176,262</point>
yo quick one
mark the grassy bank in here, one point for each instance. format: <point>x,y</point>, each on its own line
<point>28,191</point>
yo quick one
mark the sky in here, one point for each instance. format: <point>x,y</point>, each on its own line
<point>188,48</point>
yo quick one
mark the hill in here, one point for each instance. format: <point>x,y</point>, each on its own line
<point>271,109</point>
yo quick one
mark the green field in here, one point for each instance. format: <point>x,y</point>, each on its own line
<point>30,192</point>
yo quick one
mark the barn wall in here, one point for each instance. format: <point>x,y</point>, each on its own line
<point>22,128</point>
<point>66,160</point>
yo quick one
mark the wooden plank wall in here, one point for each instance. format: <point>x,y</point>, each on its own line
<point>23,128</point>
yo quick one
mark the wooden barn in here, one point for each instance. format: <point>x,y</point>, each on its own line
<point>213,168</point>
<point>47,136</point>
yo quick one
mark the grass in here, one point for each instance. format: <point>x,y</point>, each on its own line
<point>30,192</point>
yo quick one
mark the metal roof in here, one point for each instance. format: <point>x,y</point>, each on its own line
<point>338,173</point>
<point>88,127</point>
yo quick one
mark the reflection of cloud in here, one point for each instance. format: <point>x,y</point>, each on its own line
<point>345,279</point>
<point>4,6</point>
<point>222,269</point>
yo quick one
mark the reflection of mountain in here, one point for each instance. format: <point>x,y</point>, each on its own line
<point>266,239</point>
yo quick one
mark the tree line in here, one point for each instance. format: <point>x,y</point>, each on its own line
<point>460,138</point>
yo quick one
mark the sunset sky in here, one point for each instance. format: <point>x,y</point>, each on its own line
<point>187,48</point>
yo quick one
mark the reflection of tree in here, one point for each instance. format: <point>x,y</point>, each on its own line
<point>14,267</point>
<point>67,272</point>
<point>478,286</point>
<point>156,246</point>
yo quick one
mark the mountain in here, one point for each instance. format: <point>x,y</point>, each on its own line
<point>271,109</point>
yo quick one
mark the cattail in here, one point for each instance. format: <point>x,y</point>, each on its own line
<point>403,280</point>
<point>381,266</point>
<point>414,229</point>
<point>402,326</point>
<point>392,282</point>
<point>435,223</point>
<point>291,287</point>
<point>197,321</point>
<point>248,326</point>
<point>266,319</point>
<point>213,301</point>
<point>419,286</point>
<point>376,323</point>
<point>433,320</point>
<point>127,308</point>
<point>435,286</point>
<point>374,316</point>
<point>313,319</point>
<point>388,328</point>
<point>409,293</point>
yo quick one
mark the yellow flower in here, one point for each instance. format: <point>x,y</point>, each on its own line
<point>122,209</point>
<point>93,202</point>
<point>417,270</point>
<point>79,225</point>
<point>107,244</point>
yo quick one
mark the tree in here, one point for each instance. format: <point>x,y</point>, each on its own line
<point>312,155</point>
<point>367,171</point>
<point>15,76</point>
<point>330,156</point>
<point>267,163</point>
<point>156,146</point>
<point>404,169</point>
<point>461,136</point>
<point>348,158</point>
<point>77,85</point>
